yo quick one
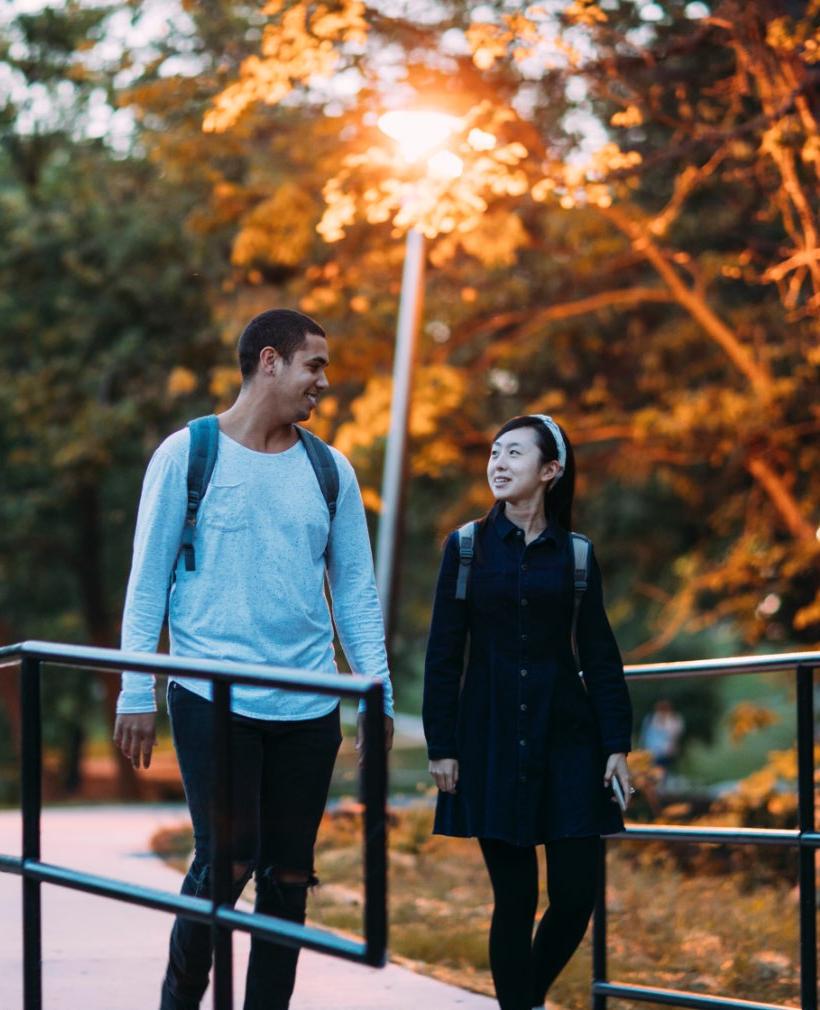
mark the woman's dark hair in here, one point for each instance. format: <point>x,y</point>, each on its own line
<point>558,498</point>
<point>283,329</point>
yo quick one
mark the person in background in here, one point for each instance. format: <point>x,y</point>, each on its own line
<point>661,733</point>
<point>524,751</point>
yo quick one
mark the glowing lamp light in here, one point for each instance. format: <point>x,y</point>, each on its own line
<point>445,165</point>
<point>417,132</point>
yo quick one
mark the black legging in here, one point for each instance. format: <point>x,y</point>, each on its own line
<point>524,968</point>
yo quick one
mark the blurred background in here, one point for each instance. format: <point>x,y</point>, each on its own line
<point>620,227</point>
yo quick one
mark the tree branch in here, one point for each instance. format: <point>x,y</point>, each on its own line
<point>620,298</point>
<point>691,177</point>
<point>781,497</point>
<point>694,303</point>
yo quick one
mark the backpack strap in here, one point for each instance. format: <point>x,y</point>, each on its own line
<point>581,549</point>
<point>466,551</point>
<point>201,459</point>
<point>324,466</point>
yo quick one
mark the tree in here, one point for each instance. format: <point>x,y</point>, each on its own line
<point>674,327</point>
<point>107,319</point>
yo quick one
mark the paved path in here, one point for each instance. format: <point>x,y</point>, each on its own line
<point>101,954</point>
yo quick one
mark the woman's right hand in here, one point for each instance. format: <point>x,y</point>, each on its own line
<point>445,774</point>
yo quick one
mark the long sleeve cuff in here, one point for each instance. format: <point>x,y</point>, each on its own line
<point>388,702</point>
<point>437,752</point>
<point>615,746</point>
<point>137,694</point>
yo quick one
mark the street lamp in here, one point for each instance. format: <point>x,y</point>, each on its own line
<point>419,136</point>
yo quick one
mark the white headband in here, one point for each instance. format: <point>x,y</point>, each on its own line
<point>560,444</point>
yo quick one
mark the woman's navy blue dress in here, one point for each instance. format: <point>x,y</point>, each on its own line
<point>530,740</point>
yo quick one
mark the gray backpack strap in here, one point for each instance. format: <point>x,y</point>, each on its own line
<point>466,552</point>
<point>581,548</point>
<point>204,444</point>
<point>324,466</point>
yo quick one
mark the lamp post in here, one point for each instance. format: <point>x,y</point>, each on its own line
<point>417,135</point>
<point>412,297</point>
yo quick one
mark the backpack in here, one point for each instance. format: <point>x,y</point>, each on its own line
<point>581,547</point>
<point>202,457</point>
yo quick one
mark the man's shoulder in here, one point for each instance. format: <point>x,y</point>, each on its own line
<point>174,449</point>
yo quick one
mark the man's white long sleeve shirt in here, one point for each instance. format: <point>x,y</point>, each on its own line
<point>257,594</point>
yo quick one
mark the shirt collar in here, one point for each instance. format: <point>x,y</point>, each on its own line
<point>507,529</point>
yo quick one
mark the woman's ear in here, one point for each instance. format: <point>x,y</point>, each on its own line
<point>550,471</point>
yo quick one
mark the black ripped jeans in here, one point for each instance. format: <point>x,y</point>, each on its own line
<point>524,967</point>
<point>280,778</point>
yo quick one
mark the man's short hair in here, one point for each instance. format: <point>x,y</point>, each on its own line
<point>283,329</point>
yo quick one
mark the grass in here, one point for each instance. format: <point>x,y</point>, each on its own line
<point>731,934</point>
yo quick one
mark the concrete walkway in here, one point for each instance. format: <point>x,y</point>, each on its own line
<point>101,954</point>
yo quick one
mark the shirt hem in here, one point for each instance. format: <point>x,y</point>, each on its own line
<point>250,713</point>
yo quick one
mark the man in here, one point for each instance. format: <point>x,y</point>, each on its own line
<point>262,542</point>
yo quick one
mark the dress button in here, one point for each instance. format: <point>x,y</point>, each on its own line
<point>523,638</point>
<point>523,673</point>
<point>523,568</point>
<point>523,778</point>
<point>523,708</point>
<point>524,602</point>
<point>523,743</point>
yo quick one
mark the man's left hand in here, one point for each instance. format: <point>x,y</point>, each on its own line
<point>388,735</point>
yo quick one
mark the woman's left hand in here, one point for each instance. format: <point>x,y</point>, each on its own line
<point>616,766</point>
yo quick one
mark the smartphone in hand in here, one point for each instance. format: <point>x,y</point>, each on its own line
<point>618,793</point>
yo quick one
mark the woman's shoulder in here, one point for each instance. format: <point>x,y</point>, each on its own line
<point>466,534</point>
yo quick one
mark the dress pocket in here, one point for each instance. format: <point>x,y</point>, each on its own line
<point>224,507</point>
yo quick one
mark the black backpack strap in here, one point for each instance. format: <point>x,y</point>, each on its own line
<point>581,548</point>
<point>466,553</point>
<point>201,459</point>
<point>324,466</point>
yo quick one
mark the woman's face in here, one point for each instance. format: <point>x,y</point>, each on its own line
<point>515,471</point>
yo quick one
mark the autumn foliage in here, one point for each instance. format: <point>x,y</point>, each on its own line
<point>657,289</point>
<point>630,243</point>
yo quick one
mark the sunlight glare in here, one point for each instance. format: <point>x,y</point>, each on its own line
<point>481,140</point>
<point>445,165</point>
<point>418,132</point>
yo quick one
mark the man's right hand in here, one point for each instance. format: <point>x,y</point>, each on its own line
<point>135,734</point>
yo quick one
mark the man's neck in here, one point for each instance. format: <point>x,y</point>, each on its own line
<point>255,424</point>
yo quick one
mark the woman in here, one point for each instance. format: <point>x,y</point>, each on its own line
<point>522,749</point>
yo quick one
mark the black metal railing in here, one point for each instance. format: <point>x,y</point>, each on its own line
<point>805,839</point>
<point>217,910</point>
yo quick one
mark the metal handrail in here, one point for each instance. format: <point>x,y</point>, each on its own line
<point>217,910</point>
<point>223,918</point>
<point>805,838</point>
<point>781,662</point>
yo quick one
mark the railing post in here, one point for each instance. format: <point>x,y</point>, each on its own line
<point>599,929</point>
<point>31,800</point>
<point>807,853</point>
<point>221,844</point>
<point>375,834</point>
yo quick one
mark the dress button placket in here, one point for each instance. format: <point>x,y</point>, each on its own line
<point>522,743</point>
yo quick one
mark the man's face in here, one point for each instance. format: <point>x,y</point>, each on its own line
<point>299,384</point>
